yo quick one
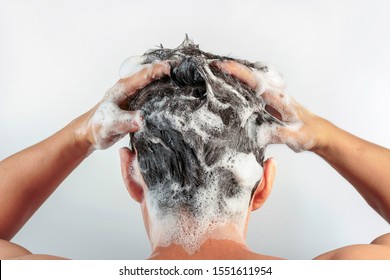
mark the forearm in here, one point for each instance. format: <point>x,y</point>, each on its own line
<point>29,177</point>
<point>364,164</point>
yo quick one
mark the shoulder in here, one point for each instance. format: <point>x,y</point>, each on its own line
<point>379,249</point>
<point>12,251</point>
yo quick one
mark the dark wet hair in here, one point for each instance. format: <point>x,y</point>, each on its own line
<point>176,160</point>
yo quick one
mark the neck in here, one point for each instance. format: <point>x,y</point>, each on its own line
<point>191,236</point>
<point>210,249</point>
<point>190,231</point>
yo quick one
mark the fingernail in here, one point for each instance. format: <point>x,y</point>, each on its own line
<point>221,65</point>
<point>135,124</point>
<point>164,68</point>
<point>137,120</point>
<point>216,63</point>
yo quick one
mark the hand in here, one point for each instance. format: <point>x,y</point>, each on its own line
<point>107,122</point>
<point>302,130</point>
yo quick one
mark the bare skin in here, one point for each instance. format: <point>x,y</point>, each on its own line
<point>211,250</point>
<point>232,248</point>
<point>362,163</point>
<point>48,163</point>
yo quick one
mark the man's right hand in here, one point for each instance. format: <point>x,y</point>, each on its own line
<point>108,122</point>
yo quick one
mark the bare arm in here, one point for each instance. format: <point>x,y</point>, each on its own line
<point>29,177</point>
<point>364,164</point>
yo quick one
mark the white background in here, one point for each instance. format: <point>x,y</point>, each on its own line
<point>57,58</point>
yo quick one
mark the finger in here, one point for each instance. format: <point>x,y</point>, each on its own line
<point>238,71</point>
<point>279,105</point>
<point>276,135</point>
<point>142,78</point>
<point>290,136</point>
<point>126,87</point>
<point>273,112</point>
<point>127,121</point>
<point>273,100</point>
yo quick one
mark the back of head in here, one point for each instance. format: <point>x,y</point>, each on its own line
<point>201,146</point>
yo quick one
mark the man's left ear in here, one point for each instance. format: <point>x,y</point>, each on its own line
<point>265,186</point>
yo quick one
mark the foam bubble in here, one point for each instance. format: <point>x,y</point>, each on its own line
<point>269,79</point>
<point>107,123</point>
<point>272,83</point>
<point>131,65</point>
<point>190,231</point>
<point>247,170</point>
<point>229,178</point>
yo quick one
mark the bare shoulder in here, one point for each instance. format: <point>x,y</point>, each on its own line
<point>379,249</point>
<point>12,251</point>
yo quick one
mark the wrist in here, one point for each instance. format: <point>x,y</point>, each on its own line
<point>81,135</point>
<point>323,135</point>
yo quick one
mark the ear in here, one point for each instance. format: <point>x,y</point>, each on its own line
<point>265,186</point>
<point>131,174</point>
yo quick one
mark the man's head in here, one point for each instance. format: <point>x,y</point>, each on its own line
<point>197,162</point>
